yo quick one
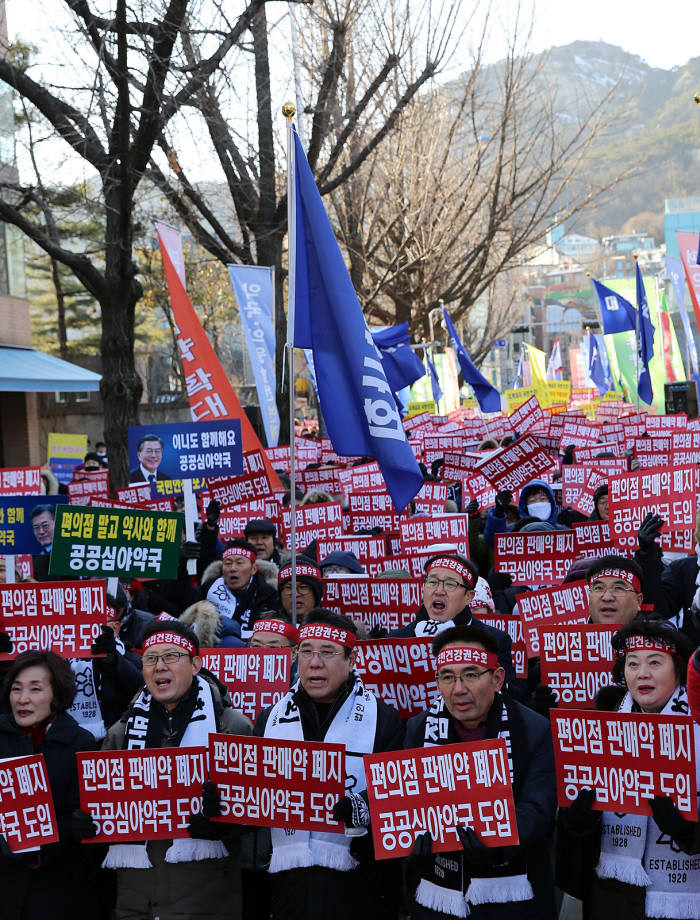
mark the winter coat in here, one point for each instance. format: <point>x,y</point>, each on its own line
<point>208,889</point>
<point>212,629</point>
<point>133,625</point>
<point>116,683</point>
<point>62,886</point>
<point>257,598</point>
<point>534,792</point>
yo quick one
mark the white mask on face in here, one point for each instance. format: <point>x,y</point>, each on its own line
<point>539,510</point>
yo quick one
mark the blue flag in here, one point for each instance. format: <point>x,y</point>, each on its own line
<point>402,365</point>
<point>645,340</point>
<point>356,400</point>
<point>434,379</point>
<point>618,314</point>
<point>486,395</point>
<point>596,367</point>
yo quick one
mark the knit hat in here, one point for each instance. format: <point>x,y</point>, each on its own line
<point>261,525</point>
<point>308,573</point>
<point>347,560</point>
<point>482,595</point>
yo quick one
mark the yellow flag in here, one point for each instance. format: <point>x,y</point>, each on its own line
<point>538,372</point>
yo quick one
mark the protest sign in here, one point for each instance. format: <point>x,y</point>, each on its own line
<point>551,606</point>
<point>82,491</point>
<point>22,480</point>
<point>516,464</point>
<point>232,522</point>
<point>141,794</point>
<point>515,398</point>
<point>580,433</point>
<point>456,466</point>
<point>576,661</point>
<point>418,533</point>
<point>64,453</point>
<point>431,498</point>
<point>322,521</point>
<point>435,446</point>
<point>386,602</point>
<point>185,450</point>
<point>325,479</point>
<point>438,789</point>
<point>116,542</point>
<point>27,523</point>
<point>252,485</point>
<point>513,625</point>
<point>270,782</point>
<point>278,457</point>
<point>537,558</point>
<point>370,551</point>
<point>592,539</point>
<point>172,488</point>
<point>527,415</point>
<point>584,503</point>
<point>399,671</point>
<point>670,493</point>
<point>66,617</point>
<point>367,477</point>
<point>626,758</point>
<point>27,815</point>
<point>163,504</point>
<point>24,568</point>
<point>255,678</point>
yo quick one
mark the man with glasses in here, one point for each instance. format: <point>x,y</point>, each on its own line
<point>615,590</point>
<point>240,593</point>
<point>178,707</point>
<point>478,881</point>
<point>319,875</point>
<point>149,453</point>
<point>310,587</point>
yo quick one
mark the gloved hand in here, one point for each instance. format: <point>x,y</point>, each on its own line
<point>472,507</point>
<point>503,499</point>
<point>200,827</point>
<point>190,549</point>
<point>419,861</point>
<point>352,810</point>
<point>477,854</point>
<point>542,699</point>
<point>211,800</point>
<point>648,532</point>
<point>5,643</point>
<point>579,818</point>
<point>105,644</point>
<point>568,456</point>
<point>212,512</point>
<point>82,825</point>
<point>672,822</point>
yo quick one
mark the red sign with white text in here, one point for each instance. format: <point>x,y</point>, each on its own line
<point>670,493</point>
<point>538,558</point>
<point>516,464</point>
<point>418,533</point>
<point>386,602</point>
<point>252,485</point>
<point>576,661</point>
<point>22,480</point>
<point>27,816</point>
<point>255,678</point>
<point>399,671</point>
<point>323,521</point>
<point>549,606</point>
<point>527,416</point>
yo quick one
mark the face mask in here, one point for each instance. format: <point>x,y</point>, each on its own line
<point>539,510</point>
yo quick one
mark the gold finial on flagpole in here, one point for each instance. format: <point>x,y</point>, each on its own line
<point>696,97</point>
<point>289,110</point>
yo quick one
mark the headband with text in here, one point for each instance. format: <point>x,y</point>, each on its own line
<point>328,634</point>
<point>170,638</point>
<point>447,562</point>
<point>464,655</point>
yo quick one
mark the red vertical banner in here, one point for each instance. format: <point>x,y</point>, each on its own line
<point>209,390</point>
<point>688,246</point>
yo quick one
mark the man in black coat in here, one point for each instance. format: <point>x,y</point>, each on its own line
<point>512,883</point>
<point>240,593</point>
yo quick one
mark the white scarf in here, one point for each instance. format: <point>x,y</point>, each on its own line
<point>495,889</point>
<point>86,708</point>
<point>201,725</point>
<point>634,851</point>
<point>431,628</point>
<point>696,598</point>
<point>354,726</point>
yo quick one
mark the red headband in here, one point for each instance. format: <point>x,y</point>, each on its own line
<point>635,643</point>
<point>329,633</point>
<point>163,616</point>
<point>622,574</point>
<point>277,626</point>
<point>310,571</point>
<point>447,562</point>
<point>170,638</point>
<point>466,655</point>
<point>111,613</point>
<point>239,551</point>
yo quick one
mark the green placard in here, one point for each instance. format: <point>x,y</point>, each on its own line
<point>117,542</point>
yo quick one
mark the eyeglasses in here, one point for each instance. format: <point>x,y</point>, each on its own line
<point>150,661</point>
<point>449,584</point>
<point>598,588</point>
<point>326,654</point>
<point>301,589</point>
<point>449,679</point>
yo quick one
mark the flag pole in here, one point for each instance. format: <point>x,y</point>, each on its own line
<point>289,110</point>
<point>636,337</point>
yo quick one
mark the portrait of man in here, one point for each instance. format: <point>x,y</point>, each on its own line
<point>149,453</point>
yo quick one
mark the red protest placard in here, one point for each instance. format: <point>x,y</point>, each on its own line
<point>65,616</point>
<point>456,465</point>
<point>368,520</point>
<point>323,521</point>
<point>256,678</point>
<point>418,533</point>
<point>516,464</point>
<point>627,758</point>
<point>370,551</point>
<point>141,795</point>
<point>592,538</point>
<point>21,480</point>
<point>512,625</point>
<point>135,494</point>
<point>27,816</point>
<point>271,782</point>
<point>364,478</point>
<point>399,671</point>
<point>431,498</point>
<point>670,493</point>
<point>435,446</point>
<point>539,558</point>
<point>232,522</point>
<point>584,503</point>
<point>253,484</point>
<point>573,479</point>
<point>527,416</point>
<point>580,433</point>
<point>437,789</point>
<point>556,606</point>
<point>278,457</point>
<point>325,479</point>
<point>80,493</point>
<point>576,661</point>
<point>162,504</point>
<point>386,602</point>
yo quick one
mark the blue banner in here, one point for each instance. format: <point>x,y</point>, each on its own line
<point>486,395</point>
<point>356,400</point>
<point>618,314</point>
<point>252,285</point>
<point>598,368</point>
<point>402,365</point>
<point>645,340</point>
<point>434,379</point>
<point>185,450</point>
<point>27,523</point>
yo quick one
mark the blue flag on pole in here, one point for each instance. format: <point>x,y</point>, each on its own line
<point>645,340</point>
<point>402,365</point>
<point>434,379</point>
<point>356,400</point>
<point>486,395</point>
<point>618,314</point>
<point>596,368</point>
